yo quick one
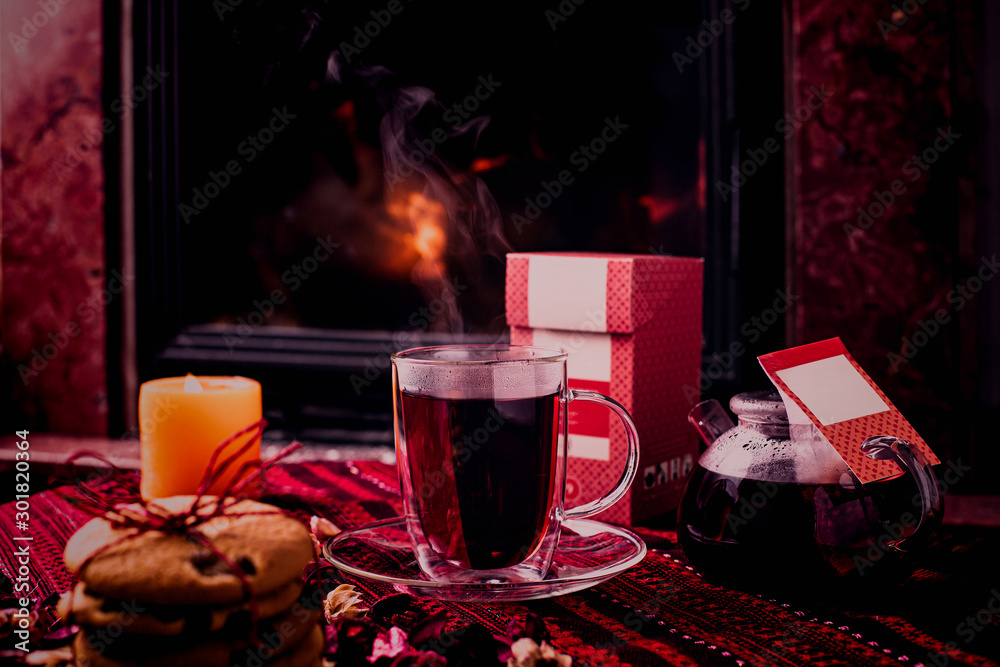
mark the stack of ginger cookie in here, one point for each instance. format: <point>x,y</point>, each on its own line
<point>152,598</point>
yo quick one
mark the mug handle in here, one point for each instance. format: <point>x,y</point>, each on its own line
<point>631,460</point>
<point>909,458</point>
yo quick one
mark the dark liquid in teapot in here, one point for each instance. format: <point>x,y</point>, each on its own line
<point>763,535</point>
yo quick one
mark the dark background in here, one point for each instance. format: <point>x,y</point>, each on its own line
<point>653,190</point>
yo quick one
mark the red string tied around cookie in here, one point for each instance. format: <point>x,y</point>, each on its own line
<point>143,516</point>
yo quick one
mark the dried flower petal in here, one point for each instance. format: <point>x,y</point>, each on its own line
<point>469,646</point>
<point>342,601</point>
<point>429,630</point>
<point>527,653</point>
<point>8,622</point>
<point>50,658</point>
<point>351,640</point>
<point>399,609</point>
<point>389,644</point>
<point>533,627</point>
<point>413,658</point>
<point>320,530</point>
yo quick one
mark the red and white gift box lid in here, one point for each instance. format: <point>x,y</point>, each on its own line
<point>597,292</point>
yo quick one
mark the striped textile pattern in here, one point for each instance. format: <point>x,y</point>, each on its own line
<point>660,612</point>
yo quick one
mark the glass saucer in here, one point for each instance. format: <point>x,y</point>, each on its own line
<point>588,553</point>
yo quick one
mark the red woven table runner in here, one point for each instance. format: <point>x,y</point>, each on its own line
<point>661,612</point>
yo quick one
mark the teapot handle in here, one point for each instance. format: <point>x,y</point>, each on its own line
<point>887,447</point>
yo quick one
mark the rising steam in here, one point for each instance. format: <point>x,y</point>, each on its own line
<point>454,219</point>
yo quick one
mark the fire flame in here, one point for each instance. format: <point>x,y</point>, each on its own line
<point>659,208</point>
<point>484,164</point>
<point>428,238</point>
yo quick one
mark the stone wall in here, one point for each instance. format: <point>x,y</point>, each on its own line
<point>53,268</point>
<point>883,221</point>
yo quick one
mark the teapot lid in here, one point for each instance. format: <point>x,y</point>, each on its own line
<point>759,406</point>
<point>764,446</point>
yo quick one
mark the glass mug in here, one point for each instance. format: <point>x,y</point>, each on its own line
<point>480,444</point>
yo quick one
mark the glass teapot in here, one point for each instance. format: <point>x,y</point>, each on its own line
<point>761,512</point>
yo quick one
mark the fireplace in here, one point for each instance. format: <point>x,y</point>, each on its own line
<point>318,186</point>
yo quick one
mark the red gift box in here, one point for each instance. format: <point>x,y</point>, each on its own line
<point>632,327</point>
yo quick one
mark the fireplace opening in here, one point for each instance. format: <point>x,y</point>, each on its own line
<point>319,186</point>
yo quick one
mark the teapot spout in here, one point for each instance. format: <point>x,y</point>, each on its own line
<point>710,419</point>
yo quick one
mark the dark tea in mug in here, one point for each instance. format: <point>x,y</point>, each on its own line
<point>482,472</point>
<point>480,447</point>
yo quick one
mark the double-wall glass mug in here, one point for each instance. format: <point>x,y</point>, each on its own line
<point>481,434</point>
